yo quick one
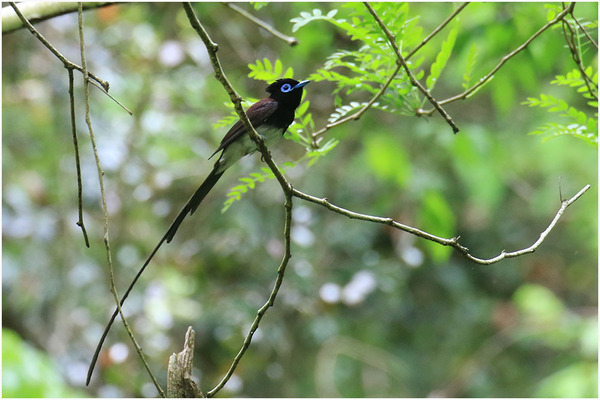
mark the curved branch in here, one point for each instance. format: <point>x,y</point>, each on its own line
<point>453,242</point>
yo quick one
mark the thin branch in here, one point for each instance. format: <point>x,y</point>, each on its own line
<point>261,312</point>
<point>438,29</point>
<point>103,200</point>
<point>574,48</point>
<point>453,242</point>
<point>292,41</point>
<point>503,61</point>
<point>103,85</point>
<point>392,39</point>
<point>584,31</point>
<point>80,222</point>
<point>357,115</point>
<point>63,59</point>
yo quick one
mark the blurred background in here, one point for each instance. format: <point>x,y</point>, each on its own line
<point>365,310</point>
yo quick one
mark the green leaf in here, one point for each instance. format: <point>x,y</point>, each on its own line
<point>267,71</point>
<point>442,58</point>
<point>471,61</point>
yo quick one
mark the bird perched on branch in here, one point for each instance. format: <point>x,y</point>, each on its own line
<point>270,117</point>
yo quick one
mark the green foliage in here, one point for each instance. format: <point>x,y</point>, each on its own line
<point>578,124</point>
<point>369,67</point>
<point>266,71</point>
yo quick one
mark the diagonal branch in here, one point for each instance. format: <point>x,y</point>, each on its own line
<point>401,61</point>
<point>292,41</point>
<point>503,61</point>
<point>97,82</point>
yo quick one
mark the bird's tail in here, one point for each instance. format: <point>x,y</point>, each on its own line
<point>194,202</point>
<point>189,207</point>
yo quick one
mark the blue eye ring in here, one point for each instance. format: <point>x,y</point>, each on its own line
<point>286,87</point>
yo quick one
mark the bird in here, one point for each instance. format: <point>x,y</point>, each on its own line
<point>270,117</point>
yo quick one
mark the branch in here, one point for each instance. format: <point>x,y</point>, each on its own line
<point>584,31</point>
<point>97,82</point>
<point>503,61</point>
<point>438,29</point>
<point>575,54</point>
<point>392,39</point>
<point>40,11</point>
<point>453,242</point>
<point>292,41</point>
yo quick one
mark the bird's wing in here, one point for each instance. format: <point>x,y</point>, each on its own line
<point>258,113</point>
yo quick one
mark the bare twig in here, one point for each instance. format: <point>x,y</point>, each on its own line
<point>292,41</point>
<point>104,205</point>
<point>80,222</point>
<point>63,59</point>
<point>261,312</point>
<point>503,61</point>
<point>97,82</point>
<point>392,39</point>
<point>453,242</point>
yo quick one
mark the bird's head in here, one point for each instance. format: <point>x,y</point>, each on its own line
<point>287,91</point>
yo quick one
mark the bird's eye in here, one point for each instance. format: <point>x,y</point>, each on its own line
<point>286,87</point>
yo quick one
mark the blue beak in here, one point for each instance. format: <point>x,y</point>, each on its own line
<point>301,84</point>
